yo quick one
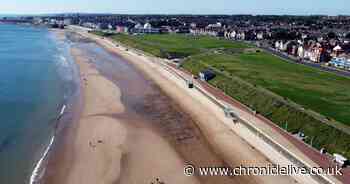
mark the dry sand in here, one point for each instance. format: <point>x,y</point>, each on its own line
<point>99,138</point>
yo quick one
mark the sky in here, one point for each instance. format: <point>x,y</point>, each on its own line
<point>295,7</point>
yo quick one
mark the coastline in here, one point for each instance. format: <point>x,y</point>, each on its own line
<point>125,142</point>
<point>144,61</point>
<point>233,149</point>
<point>68,112</point>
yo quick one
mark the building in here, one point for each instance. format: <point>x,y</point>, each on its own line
<point>147,26</point>
<point>300,52</point>
<point>67,21</point>
<point>315,52</point>
<point>206,75</point>
<point>240,36</point>
<point>145,29</point>
<point>337,50</point>
<point>292,48</point>
<point>218,25</point>
<point>121,29</point>
<point>260,36</point>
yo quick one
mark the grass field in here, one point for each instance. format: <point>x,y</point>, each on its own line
<point>265,83</point>
<point>175,45</point>
<point>249,78</point>
<point>320,91</point>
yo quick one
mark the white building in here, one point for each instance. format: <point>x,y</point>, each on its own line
<point>138,26</point>
<point>217,25</point>
<point>300,51</point>
<point>240,36</point>
<point>67,22</point>
<point>230,35</point>
<point>280,45</point>
<point>147,26</point>
<point>260,36</point>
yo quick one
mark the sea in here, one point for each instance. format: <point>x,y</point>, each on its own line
<point>37,78</point>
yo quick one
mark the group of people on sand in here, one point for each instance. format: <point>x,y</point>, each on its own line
<point>94,145</point>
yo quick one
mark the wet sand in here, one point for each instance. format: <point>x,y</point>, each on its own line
<point>136,126</point>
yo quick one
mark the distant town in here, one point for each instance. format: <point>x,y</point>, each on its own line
<point>319,40</point>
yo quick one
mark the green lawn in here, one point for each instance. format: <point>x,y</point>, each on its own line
<point>251,77</point>
<point>175,44</point>
<point>320,91</point>
<point>265,83</point>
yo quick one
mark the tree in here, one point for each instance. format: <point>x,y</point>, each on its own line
<point>347,35</point>
<point>331,35</point>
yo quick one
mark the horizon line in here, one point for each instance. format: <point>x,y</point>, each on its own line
<point>200,14</point>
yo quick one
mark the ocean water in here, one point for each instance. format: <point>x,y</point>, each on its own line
<point>37,77</point>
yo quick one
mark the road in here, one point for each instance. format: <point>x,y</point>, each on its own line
<point>287,58</point>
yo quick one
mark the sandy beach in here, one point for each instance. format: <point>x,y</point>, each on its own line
<point>107,149</point>
<point>107,144</point>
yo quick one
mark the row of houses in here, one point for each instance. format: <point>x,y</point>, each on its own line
<point>243,35</point>
<point>219,30</point>
<point>313,51</point>
<point>137,28</point>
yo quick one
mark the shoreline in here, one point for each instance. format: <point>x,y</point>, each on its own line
<point>39,168</point>
<point>68,110</point>
<point>63,156</point>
